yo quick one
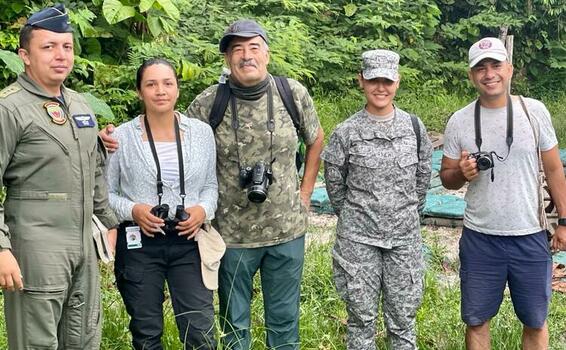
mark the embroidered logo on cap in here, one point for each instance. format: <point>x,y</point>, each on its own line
<point>484,44</point>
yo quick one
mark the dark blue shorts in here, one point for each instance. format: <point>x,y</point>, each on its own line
<point>488,262</point>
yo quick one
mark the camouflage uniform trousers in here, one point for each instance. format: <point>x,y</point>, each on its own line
<point>361,273</point>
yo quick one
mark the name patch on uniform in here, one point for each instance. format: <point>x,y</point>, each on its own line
<point>84,120</point>
<point>55,112</point>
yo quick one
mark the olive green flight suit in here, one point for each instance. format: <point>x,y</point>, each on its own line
<point>54,181</point>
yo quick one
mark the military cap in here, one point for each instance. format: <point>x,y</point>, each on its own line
<point>54,19</point>
<point>243,28</point>
<point>380,64</point>
<point>487,48</point>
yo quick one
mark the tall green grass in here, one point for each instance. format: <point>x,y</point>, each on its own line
<point>323,314</point>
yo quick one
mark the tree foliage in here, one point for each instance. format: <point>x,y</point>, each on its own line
<point>316,41</point>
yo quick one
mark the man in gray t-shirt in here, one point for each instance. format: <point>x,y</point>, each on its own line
<point>503,241</point>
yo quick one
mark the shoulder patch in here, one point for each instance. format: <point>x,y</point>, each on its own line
<point>10,90</point>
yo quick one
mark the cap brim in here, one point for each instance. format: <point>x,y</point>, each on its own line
<point>225,41</point>
<point>211,249</point>
<point>369,75</point>
<point>209,277</point>
<point>495,56</point>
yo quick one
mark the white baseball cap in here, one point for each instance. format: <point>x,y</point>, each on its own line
<point>487,48</point>
<point>211,247</point>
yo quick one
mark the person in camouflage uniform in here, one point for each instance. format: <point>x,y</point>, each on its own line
<point>267,236</point>
<point>377,181</point>
<point>52,167</point>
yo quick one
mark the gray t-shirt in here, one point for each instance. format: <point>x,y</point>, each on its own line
<point>508,206</point>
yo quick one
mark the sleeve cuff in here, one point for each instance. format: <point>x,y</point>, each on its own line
<point>108,218</point>
<point>208,211</point>
<point>5,241</point>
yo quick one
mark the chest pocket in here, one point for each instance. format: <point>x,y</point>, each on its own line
<point>406,149</point>
<point>365,156</point>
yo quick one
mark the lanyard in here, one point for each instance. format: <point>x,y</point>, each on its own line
<point>156,158</point>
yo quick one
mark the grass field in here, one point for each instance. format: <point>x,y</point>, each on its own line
<point>323,314</point>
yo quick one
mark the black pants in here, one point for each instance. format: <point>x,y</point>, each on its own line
<point>141,274</point>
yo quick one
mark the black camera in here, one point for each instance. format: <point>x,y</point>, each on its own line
<point>484,160</point>
<point>257,181</point>
<point>162,212</point>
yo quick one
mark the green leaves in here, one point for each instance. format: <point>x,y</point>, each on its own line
<point>318,42</point>
<point>99,107</point>
<point>145,5</point>
<point>12,61</point>
<point>350,9</point>
<point>158,16</point>
<point>114,11</point>
<point>170,9</point>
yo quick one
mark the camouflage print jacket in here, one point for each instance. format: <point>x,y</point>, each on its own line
<point>282,217</point>
<point>375,180</point>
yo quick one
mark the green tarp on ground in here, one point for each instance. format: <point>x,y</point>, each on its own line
<point>559,258</point>
<point>320,202</point>
<point>444,206</point>
<point>439,203</point>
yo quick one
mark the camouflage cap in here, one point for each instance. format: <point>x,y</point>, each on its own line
<point>54,19</point>
<point>380,64</point>
<point>244,28</point>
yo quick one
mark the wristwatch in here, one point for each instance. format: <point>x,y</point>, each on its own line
<point>562,221</point>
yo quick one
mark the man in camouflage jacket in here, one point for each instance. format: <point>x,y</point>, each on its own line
<point>267,236</point>
<point>377,181</point>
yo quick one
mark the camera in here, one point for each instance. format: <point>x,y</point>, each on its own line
<point>484,160</point>
<point>256,180</point>
<point>162,212</point>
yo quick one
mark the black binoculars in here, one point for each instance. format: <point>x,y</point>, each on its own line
<point>162,212</point>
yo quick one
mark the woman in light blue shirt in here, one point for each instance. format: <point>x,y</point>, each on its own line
<point>162,184</point>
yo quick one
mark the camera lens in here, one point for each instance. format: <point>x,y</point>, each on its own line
<point>484,163</point>
<point>257,194</point>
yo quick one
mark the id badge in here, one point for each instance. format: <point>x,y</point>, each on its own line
<point>133,237</point>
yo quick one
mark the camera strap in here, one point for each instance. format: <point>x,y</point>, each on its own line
<point>477,124</point>
<point>156,159</point>
<point>270,123</point>
<point>509,136</point>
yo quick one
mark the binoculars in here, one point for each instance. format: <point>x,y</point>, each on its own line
<point>162,212</point>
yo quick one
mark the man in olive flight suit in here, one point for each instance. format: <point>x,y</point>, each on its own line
<point>51,166</point>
